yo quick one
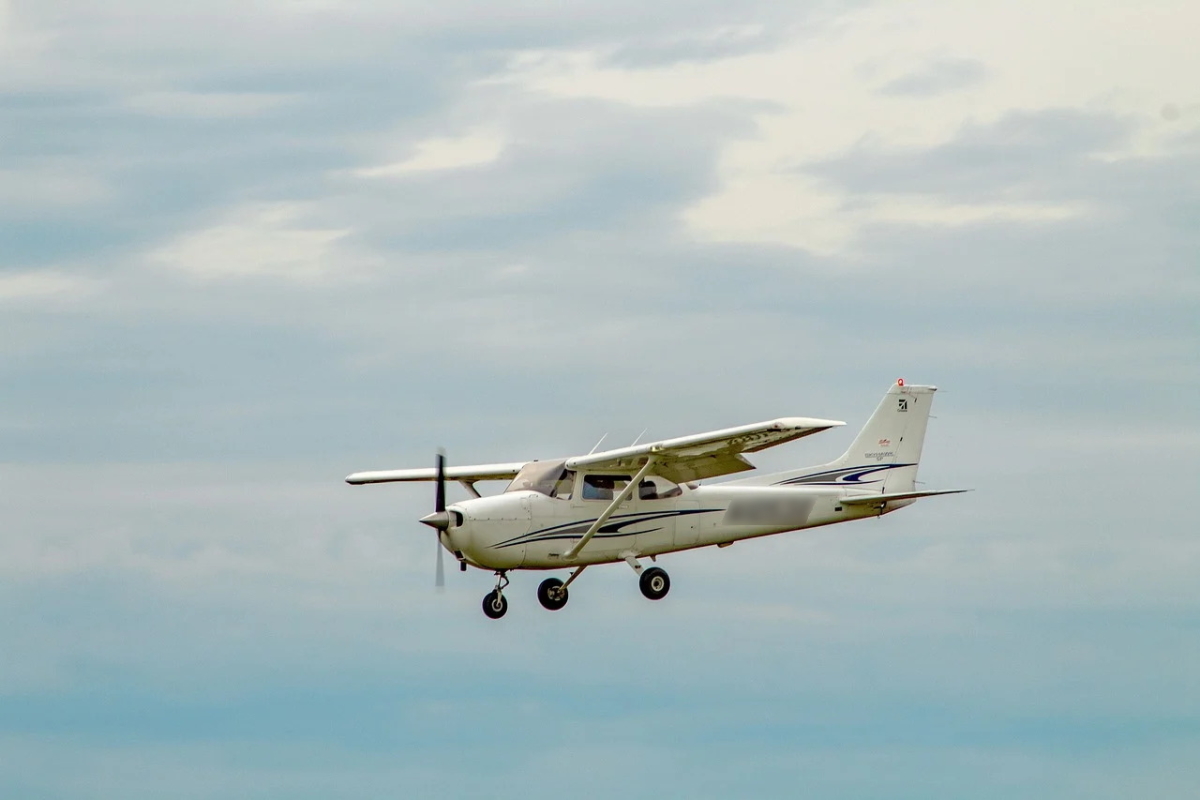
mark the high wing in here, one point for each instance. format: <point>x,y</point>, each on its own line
<point>477,472</point>
<point>705,455</point>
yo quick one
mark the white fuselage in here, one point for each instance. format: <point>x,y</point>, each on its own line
<point>530,530</point>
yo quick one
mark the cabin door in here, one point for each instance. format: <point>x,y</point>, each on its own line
<point>687,524</point>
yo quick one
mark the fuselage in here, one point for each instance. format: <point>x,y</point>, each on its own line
<point>530,530</point>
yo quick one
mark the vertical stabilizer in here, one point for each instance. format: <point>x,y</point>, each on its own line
<point>885,453</point>
<point>892,439</point>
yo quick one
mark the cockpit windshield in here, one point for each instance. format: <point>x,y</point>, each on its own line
<point>551,478</point>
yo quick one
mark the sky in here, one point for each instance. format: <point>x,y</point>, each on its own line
<point>247,248</point>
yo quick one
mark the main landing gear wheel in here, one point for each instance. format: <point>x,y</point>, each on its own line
<point>552,594</point>
<point>494,605</point>
<point>654,583</point>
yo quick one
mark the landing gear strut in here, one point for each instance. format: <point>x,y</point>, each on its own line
<point>494,604</point>
<point>654,583</point>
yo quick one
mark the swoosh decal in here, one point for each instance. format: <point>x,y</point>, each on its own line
<point>614,527</point>
<point>854,476</point>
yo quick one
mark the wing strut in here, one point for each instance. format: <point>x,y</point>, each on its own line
<point>608,512</point>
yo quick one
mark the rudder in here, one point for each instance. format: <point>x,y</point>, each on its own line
<point>893,437</point>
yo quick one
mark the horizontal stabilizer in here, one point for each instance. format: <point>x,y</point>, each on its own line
<point>880,499</point>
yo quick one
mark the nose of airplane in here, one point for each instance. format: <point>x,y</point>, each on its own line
<point>438,519</point>
<point>457,530</point>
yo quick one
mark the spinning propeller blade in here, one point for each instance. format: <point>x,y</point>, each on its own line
<point>440,579</point>
<point>439,520</point>
<point>439,509</point>
<point>439,501</point>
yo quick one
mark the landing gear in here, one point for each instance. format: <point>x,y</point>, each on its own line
<point>494,604</point>
<point>552,594</point>
<point>654,583</point>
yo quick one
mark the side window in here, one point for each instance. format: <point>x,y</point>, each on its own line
<point>657,489</point>
<point>566,483</point>
<point>603,487</point>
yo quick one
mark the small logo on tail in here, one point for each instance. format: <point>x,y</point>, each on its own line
<point>904,404</point>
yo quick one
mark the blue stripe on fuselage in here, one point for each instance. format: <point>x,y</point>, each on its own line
<point>577,528</point>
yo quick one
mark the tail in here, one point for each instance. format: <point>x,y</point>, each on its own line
<point>885,455</point>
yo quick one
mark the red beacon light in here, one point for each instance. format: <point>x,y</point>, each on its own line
<point>900,381</point>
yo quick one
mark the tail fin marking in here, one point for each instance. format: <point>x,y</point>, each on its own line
<point>884,455</point>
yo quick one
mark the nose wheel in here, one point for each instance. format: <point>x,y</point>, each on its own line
<point>494,604</point>
<point>654,583</point>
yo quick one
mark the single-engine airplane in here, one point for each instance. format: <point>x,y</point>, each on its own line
<point>643,500</point>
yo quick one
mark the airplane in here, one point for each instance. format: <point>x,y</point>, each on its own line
<point>645,500</point>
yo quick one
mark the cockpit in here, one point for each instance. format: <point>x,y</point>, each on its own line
<point>551,478</point>
<point>604,487</point>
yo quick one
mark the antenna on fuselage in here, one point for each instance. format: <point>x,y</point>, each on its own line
<point>639,437</point>
<point>597,444</point>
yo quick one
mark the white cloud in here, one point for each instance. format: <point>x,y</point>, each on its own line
<point>258,241</point>
<point>42,285</point>
<point>825,98</point>
<point>471,150</point>
<point>791,210</point>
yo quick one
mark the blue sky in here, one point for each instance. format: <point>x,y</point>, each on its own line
<point>246,249</point>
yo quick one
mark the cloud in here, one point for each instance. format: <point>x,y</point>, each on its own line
<point>203,105</point>
<point>1027,152</point>
<point>255,242</point>
<point>763,198</point>
<point>937,77</point>
<point>471,150</point>
<point>41,286</point>
<point>58,186</point>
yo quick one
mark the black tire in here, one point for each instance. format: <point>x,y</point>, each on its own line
<point>551,594</point>
<point>655,583</point>
<point>494,605</point>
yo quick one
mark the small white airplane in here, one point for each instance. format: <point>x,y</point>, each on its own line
<point>643,500</point>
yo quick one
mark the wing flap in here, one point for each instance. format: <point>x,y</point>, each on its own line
<point>476,472</point>
<point>697,468</point>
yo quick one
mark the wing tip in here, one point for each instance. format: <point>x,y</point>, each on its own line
<point>809,422</point>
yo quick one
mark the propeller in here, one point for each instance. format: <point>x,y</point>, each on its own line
<point>439,520</point>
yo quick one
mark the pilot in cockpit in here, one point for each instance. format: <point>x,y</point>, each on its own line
<point>598,487</point>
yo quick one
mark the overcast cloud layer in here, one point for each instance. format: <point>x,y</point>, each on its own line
<point>247,249</point>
